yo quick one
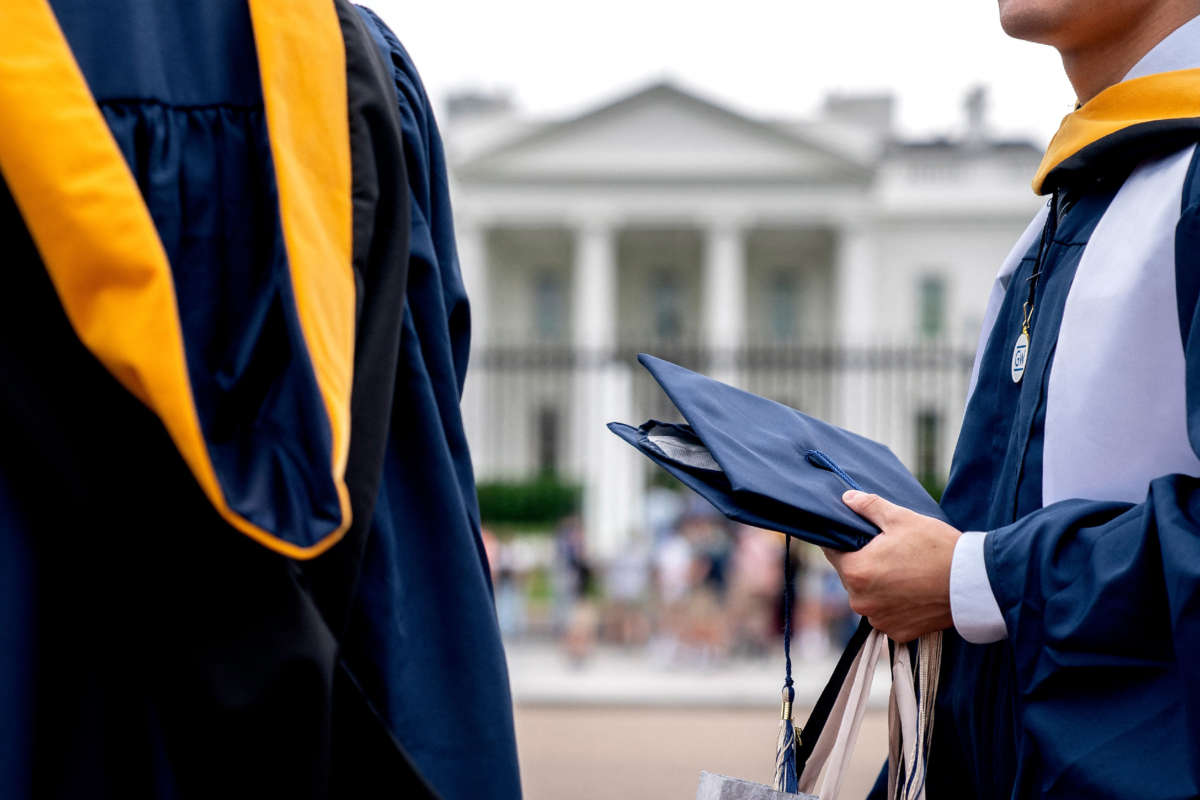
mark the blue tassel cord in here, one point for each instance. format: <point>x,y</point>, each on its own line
<point>786,779</point>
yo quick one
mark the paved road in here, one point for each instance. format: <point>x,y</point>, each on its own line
<point>630,753</point>
<point>541,676</point>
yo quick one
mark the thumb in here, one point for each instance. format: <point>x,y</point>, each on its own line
<point>872,507</point>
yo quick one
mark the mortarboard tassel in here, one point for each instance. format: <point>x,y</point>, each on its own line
<point>785,748</point>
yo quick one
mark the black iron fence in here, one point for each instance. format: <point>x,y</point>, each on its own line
<point>908,395</point>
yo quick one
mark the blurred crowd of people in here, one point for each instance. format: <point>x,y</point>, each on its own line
<point>692,588</point>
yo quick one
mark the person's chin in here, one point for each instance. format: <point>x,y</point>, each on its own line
<point>1031,20</point>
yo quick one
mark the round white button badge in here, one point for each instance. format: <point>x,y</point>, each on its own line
<point>1020,354</point>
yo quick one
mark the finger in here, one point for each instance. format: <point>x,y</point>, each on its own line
<point>896,630</point>
<point>908,625</point>
<point>833,556</point>
<point>872,507</point>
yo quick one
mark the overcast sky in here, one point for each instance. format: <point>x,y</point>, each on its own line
<point>765,57</point>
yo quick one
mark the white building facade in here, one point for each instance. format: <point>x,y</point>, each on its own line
<point>822,263</point>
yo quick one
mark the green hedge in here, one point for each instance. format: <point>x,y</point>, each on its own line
<point>935,485</point>
<point>539,502</point>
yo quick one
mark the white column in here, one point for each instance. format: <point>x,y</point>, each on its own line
<point>724,298</point>
<point>854,280</point>
<point>608,468</point>
<point>855,287</point>
<point>473,264</point>
<point>595,302</point>
<point>614,473</point>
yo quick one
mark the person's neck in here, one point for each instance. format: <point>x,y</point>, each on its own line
<point>1094,67</point>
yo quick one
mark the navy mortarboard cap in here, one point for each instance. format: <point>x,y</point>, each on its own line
<point>767,465</point>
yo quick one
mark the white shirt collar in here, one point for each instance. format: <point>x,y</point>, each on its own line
<point>1180,50</point>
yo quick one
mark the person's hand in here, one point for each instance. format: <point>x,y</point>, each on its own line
<point>901,580</point>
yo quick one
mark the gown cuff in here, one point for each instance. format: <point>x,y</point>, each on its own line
<point>976,614</point>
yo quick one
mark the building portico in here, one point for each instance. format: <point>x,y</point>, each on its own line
<point>665,223</point>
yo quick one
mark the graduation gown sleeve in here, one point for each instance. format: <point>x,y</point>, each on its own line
<point>1101,602</point>
<point>422,638</point>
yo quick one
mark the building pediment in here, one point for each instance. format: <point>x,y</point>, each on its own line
<point>663,134</point>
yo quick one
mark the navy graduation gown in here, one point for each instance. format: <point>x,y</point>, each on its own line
<point>1094,693</point>
<point>149,648</point>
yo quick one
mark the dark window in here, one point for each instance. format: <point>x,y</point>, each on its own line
<point>666,300</point>
<point>549,304</point>
<point>782,295</point>
<point>931,306</point>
